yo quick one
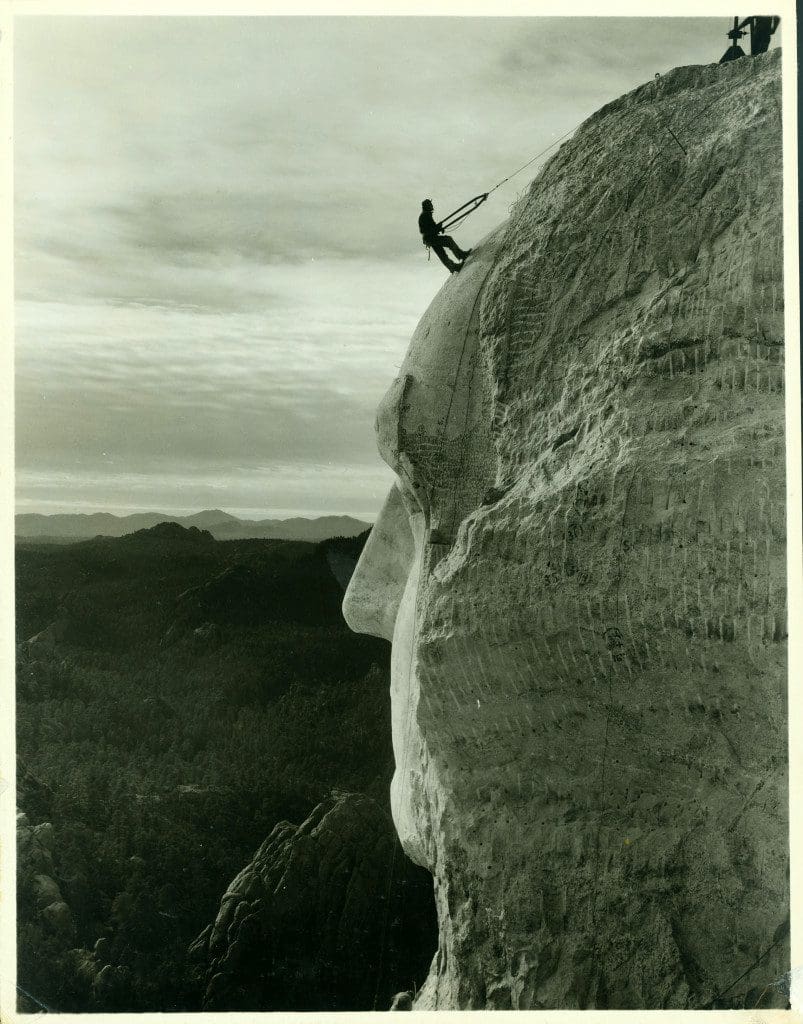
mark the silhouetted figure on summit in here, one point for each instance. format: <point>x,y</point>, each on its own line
<point>761,29</point>
<point>431,232</point>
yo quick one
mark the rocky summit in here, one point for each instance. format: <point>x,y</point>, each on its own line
<point>582,568</point>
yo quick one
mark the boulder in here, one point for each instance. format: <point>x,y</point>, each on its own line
<point>402,1001</point>
<point>59,918</point>
<point>45,890</point>
<point>102,949</point>
<point>34,848</point>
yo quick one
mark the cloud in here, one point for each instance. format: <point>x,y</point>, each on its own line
<point>217,258</point>
<point>139,389</point>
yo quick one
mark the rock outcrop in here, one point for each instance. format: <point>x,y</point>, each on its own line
<point>329,915</point>
<point>582,569</point>
<point>39,892</point>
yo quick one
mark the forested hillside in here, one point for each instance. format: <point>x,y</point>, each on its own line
<point>176,698</point>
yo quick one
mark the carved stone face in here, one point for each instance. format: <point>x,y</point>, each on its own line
<point>581,568</point>
<point>433,430</point>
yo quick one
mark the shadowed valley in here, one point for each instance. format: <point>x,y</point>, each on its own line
<point>179,700</point>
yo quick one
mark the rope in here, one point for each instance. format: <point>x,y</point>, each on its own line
<point>456,216</point>
<point>451,219</point>
<point>533,159</point>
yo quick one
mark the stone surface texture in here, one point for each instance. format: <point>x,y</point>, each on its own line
<point>329,915</point>
<point>582,569</point>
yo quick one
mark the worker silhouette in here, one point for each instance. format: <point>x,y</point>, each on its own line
<point>434,238</point>
<point>761,29</point>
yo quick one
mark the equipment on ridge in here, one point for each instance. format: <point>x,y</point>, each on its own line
<point>734,50</point>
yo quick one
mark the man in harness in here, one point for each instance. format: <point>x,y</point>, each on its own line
<point>434,238</point>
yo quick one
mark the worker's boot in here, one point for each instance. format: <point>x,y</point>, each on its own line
<point>454,267</point>
<point>465,255</point>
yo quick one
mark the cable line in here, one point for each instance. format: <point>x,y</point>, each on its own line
<point>461,212</point>
<point>456,216</point>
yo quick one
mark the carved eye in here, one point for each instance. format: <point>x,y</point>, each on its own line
<point>413,492</point>
<point>389,420</point>
<point>389,433</point>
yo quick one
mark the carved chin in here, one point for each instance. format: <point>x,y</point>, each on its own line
<point>407,814</point>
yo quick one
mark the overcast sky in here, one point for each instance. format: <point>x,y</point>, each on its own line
<point>218,266</point>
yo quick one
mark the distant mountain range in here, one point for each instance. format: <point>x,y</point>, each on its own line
<point>62,529</point>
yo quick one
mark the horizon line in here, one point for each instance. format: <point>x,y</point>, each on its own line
<point>282,515</point>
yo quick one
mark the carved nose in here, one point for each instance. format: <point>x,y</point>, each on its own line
<point>375,591</point>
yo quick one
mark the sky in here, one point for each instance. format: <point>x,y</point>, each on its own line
<point>217,260</point>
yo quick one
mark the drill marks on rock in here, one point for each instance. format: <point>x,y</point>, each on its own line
<point>472,473</point>
<point>590,664</point>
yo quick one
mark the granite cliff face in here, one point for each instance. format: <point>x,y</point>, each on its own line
<point>325,917</point>
<point>582,569</point>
